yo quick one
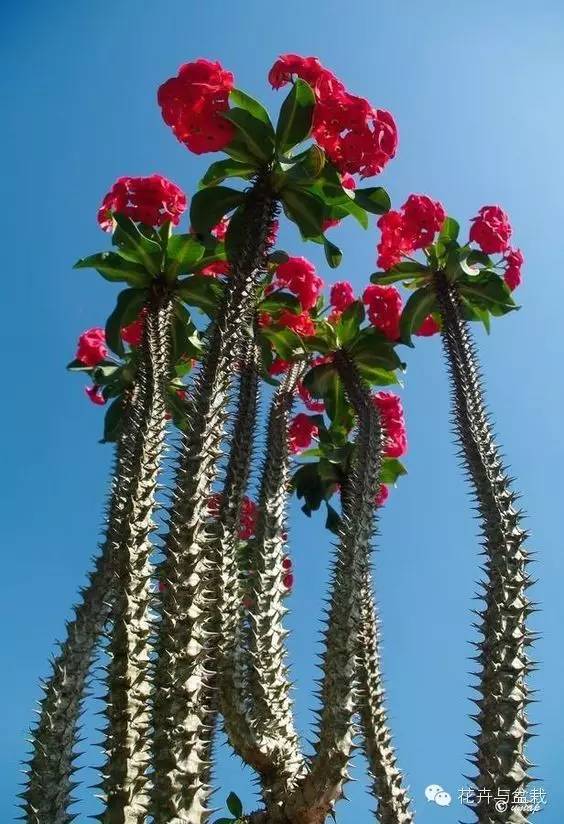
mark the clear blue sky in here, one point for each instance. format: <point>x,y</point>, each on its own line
<point>477,92</point>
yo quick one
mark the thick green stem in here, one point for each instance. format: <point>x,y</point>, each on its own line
<point>269,685</point>
<point>125,773</point>
<point>183,699</point>
<point>502,651</point>
<point>322,787</point>
<point>387,780</point>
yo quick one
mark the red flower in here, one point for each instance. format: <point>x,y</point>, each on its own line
<point>428,328</point>
<point>356,137</point>
<point>413,227</point>
<point>301,432</point>
<point>288,580</point>
<point>390,409</point>
<point>300,277</point>
<point>214,504</point>
<point>212,270</point>
<point>95,395</point>
<point>423,217</point>
<point>286,564</point>
<point>384,309</point>
<point>382,495</point>
<point>319,360</point>
<point>348,181</point>
<point>278,367</point>
<point>329,223</point>
<point>334,317</point>
<point>91,347</point>
<point>248,519</point>
<point>133,332</point>
<point>491,230</point>
<point>308,400</point>
<point>342,295</point>
<point>152,200</point>
<point>264,319</point>
<point>514,260</point>
<point>272,235</point>
<point>192,104</point>
<point>301,324</point>
<point>220,229</point>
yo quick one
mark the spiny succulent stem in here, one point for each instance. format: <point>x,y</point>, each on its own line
<point>322,786</point>
<point>125,778</point>
<point>500,758</point>
<point>269,686</point>
<point>183,680</point>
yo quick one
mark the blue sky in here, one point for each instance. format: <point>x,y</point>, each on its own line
<point>477,93</point>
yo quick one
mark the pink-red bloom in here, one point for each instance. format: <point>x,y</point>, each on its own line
<point>220,229</point>
<point>301,432</point>
<point>308,400</point>
<point>192,104</point>
<point>428,328</point>
<point>382,495</point>
<point>514,261</point>
<point>95,395</point>
<point>357,138</point>
<point>278,367</point>
<point>133,332</point>
<point>91,347</point>
<point>152,200</point>
<point>213,270</point>
<point>491,230</point>
<point>300,277</point>
<point>392,418</point>
<point>301,324</point>
<point>384,307</point>
<point>248,514</point>
<point>413,227</point>
<point>341,295</point>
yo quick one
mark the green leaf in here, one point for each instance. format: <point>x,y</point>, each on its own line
<point>242,100</point>
<point>236,233</point>
<point>306,210</point>
<point>78,366</point>
<point>373,199</point>
<point>224,821</point>
<point>349,323</point>
<point>222,169</point>
<point>234,805</point>
<point>114,267</point>
<point>333,254</point>
<point>391,470</point>
<point>256,135</point>
<point>129,304</point>
<point>405,271</point>
<point>296,116</point>
<point>309,487</point>
<point>186,342</point>
<point>286,343</point>
<point>279,300</point>
<point>475,256</point>
<point>113,421</point>
<point>183,252</point>
<point>210,205</point>
<point>488,291</point>
<point>131,241</point>
<point>333,520</point>
<point>420,304</point>
<point>203,292</point>
<point>449,231</point>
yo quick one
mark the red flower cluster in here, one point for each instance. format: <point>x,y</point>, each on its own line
<point>192,104</point>
<point>382,495</point>
<point>95,395</point>
<point>220,229</point>
<point>278,367</point>
<point>213,270</point>
<point>514,260</point>
<point>300,277</point>
<point>301,324</point>
<point>301,432</point>
<point>491,230</point>
<point>133,332</point>
<point>411,228</point>
<point>248,514</point>
<point>341,295</point>
<point>384,309</point>
<point>308,400</point>
<point>428,328</point>
<point>152,200</point>
<point>357,138</point>
<point>393,423</point>
<point>288,575</point>
<point>91,347</point>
